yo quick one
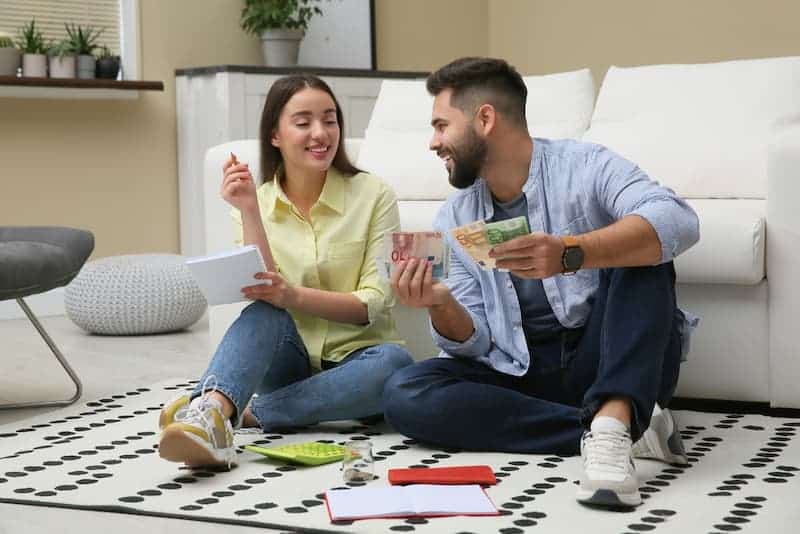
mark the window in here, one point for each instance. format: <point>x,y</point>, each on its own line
<point>117,18</point>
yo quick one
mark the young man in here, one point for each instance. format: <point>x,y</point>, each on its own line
<point>574,342</point>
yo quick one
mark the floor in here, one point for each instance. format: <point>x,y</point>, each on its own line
<point>104,364</point>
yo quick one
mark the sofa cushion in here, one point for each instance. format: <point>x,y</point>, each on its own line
<point>732,243</point>
<point>418,215</point>
<point>702,130</point>
<point>396,141</point>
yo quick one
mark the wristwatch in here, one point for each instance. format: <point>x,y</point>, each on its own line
<point>572,258</point>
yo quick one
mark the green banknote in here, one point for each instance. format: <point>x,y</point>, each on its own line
<point>502,231</point>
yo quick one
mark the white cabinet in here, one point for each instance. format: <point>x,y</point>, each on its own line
<point>220,104</point>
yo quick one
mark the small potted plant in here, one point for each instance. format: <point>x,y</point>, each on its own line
<point>107,64</point>
<point>31,42</point>
<point>84,42</point>
<point>62,59</point>
<point>9,56</point>
<point>281,24</point>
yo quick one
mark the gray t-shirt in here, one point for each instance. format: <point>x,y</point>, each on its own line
<point>538,319</point>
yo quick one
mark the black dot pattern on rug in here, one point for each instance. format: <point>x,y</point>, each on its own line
<point>246,512</point>
<point>402,528</point>
<point>416,521</point>
<point>191,507</point>
<point>296,510</point>
<point>265,505</point>
<point>132,499</point>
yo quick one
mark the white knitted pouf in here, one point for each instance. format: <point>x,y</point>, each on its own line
<point>134,294</point>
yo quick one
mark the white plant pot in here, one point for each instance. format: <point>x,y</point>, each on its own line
<point>86,65</point>
<point>9,61</point>
<point>62,67</point>
<point>281,47</point>
<point>34,65</point>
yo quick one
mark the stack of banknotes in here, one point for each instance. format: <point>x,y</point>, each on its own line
<point>402,246</point>
<point>478,238</point>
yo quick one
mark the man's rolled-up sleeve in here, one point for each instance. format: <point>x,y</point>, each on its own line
<point>625,189</point>
<point>466,289</point>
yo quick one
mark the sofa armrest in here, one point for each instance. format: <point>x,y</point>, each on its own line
<point>352,147</point>
<point>783,260</point>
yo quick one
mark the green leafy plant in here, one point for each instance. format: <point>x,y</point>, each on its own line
<point>260,15</point>
<point>31,40</point>
<point>84,40</point>
<point>61,48</point>
<point>105,52</point>
<point>6,41</point>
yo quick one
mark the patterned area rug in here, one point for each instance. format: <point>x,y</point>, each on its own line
<point>102,455</point>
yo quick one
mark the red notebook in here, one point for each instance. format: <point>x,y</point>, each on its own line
<point>468,474</point>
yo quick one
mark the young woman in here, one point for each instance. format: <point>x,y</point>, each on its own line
<point>318,342</point>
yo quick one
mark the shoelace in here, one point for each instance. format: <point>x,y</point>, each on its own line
<point>607,451</point>
<point>197,414</point>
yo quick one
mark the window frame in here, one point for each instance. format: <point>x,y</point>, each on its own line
<point>129,15</point>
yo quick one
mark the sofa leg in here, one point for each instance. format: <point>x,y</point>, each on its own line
<point>61,360</point>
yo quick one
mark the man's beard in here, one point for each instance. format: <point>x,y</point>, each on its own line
<point>468,158</point>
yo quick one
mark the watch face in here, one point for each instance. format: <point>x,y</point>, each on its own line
<point>573,258</point>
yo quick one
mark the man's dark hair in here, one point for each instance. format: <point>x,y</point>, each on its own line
<point>480,80</point>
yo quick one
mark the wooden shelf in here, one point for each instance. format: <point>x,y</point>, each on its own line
<point>73,88</point>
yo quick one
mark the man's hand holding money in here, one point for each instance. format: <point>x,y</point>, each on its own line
<point>412,282</point>
<point>536,255</point>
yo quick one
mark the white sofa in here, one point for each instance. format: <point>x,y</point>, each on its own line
<point>725,136</point>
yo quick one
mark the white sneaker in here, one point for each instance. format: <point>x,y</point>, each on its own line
<point>662,440</point>
<point>199,435</point>
<point>609,476</point>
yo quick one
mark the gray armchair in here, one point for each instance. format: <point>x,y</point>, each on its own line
<point>35,259</point>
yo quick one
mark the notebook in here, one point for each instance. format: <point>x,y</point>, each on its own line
<point>222,276</point>
<point>421,500</point>
<point>468,474</point>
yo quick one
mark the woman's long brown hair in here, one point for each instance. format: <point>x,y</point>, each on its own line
<point>279,94</point>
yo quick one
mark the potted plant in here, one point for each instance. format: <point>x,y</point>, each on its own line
<point>31,42</point>
<point>107,64</point>
<point>9,56</point>
<point>62,59</point>
<point>84,42</point>
<point>281,24</point>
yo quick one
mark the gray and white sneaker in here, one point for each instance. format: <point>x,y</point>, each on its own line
<point>662,440</point>
<point>609,475</point>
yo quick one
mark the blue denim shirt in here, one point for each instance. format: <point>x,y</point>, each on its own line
<point>572,188</point>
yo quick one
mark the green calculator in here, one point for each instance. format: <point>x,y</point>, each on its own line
<point>310,453</point>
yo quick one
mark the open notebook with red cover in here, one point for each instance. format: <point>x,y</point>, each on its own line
<point>418,500</point>
<point>468,474</point>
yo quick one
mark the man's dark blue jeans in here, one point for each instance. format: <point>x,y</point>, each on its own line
<point>630,347</point>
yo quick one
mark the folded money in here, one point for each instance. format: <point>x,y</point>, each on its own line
<point>478,238</point>
<point>402,246</point>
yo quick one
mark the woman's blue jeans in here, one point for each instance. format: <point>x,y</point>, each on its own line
<point>262,353</point>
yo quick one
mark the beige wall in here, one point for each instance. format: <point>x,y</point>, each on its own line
<point>421,35</point>
<point>542,36</point>
<point>111,166</point>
